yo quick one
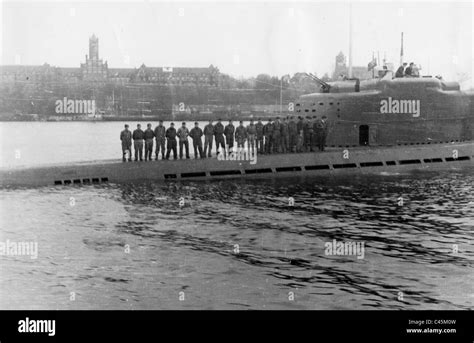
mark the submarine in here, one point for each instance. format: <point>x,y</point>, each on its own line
<point>378,126</point>
<point>392,111</point>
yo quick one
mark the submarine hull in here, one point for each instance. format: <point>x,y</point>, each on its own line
<point>358,160</point>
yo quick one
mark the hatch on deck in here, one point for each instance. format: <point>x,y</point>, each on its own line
<point>364,135</point>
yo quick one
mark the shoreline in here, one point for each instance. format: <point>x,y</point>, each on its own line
<point>224,117</point>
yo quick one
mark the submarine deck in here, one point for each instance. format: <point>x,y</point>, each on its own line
<point>343,160</point>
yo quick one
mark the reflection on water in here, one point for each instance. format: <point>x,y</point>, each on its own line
<point>242,244</point>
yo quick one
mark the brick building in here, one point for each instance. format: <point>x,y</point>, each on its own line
<point>96,70</point>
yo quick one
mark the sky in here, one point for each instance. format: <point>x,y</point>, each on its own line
<point>243,38</point>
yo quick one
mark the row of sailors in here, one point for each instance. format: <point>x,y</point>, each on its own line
<point>279,136</point>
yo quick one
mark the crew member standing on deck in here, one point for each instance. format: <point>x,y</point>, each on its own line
<point>126,138</point>
<point>306,134</point>
<point>319,132</point>
<point>160,136</point>
<point>292,134</point>
<point>208,138</point>
<point>325,133</point>
<point>268,132</point>
<point>241,136</point>
<point>219,136</point>
<point>251,135</point>
<point>183,134</point>
<point>259,130</point>
<point>313,134</point>
<point>300,142</point>
<point>196,134</point>
<point>300,139</point>
<point>171,142</point>
<point>138,136</point>
<point>277,135</point>
<point>229,135</point>
<point>285,136</point>
<point>149,135</point>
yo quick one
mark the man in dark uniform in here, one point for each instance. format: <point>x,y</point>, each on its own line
<point>259,130</point>
<point>292,134</point>
<point>318,131</point>
<point>183,134</point>
<point>306,134</point>
<point>126,138</point>
<point>229,135</point>
<point>300,124</point>
<point>208,138</point>
<point>196,134</point>
<point>325,133</point>
<point>148,135</point>
<point>241,135</point>
<point>300,137</point>
<point>285,136</point>
<point>219,136</point>
<point>268,132</point>
<point>321,132</point>
<point>251,135</point>
<point>313,134</point>
<point>400,71</point>
<point>277,135</point>
<point>138,136</point>
<point>171,142</point>
<point>160,136</point>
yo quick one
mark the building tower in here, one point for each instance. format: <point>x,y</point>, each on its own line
<point>341,67</point>
<point>94,48</point>
<point>94,69</point>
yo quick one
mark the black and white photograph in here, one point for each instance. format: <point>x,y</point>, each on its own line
<point>237,155</point>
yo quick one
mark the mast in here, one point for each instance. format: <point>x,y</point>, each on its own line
<point>401,51</point>
<point>281,94</point>
<point>350,41</point>
<point>373,67</point>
